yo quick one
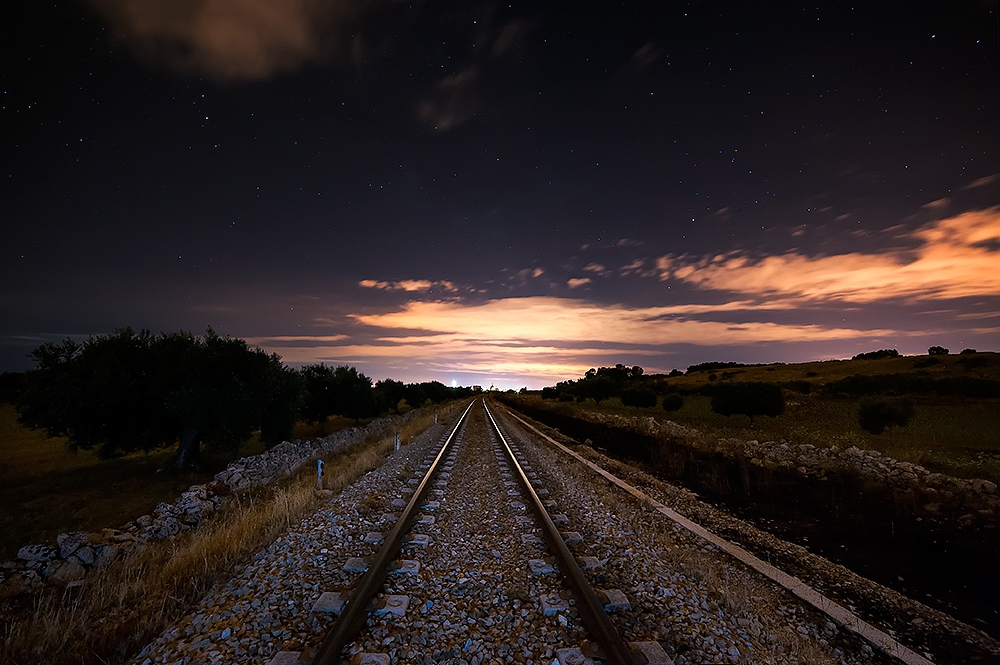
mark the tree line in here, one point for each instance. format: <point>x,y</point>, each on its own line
<point>135,391</point>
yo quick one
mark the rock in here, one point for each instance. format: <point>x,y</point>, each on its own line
<point>105,554</point>
<point>37,553</point>
<point>65,571</point>
<point>86,555</point>
<point>165,509</point>
<point>71,542</point>
<point>983,486</point>
<point>164,528</point>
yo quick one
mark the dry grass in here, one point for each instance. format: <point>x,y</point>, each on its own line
<point>121,609</point>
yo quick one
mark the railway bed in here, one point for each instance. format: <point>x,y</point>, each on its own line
<point>475,583</point>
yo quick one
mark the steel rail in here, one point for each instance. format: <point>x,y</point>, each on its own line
<point>358,608</point>
<point>591,609</point>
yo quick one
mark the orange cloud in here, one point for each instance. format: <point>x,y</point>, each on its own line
<point>957,258</point>
<point>545,338</point>
<point>229,39</point>
<point>567,320</point>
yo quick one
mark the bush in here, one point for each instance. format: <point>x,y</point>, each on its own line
<point>967,352</point>
<point>550,393</point>
<point>937,351</point>
<point>875,415</point>
<point>972,362</point>
<point>801,387</point>
<point>673,402</point>
<point>641,397</point>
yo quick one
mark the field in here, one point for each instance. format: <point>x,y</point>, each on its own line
<point>955,435</point>
<point>46,490</point>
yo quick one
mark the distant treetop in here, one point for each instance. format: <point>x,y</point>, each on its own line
<point>875,355</point>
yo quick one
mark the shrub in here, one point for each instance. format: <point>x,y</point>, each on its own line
<point>673,402</point>
<point>641,397</point>
<point>875,415</point>
<point>801,387</point>
<point>937,351</point>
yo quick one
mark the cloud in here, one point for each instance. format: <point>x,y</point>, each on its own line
<point>511,37</point>
<point>537,340</point>
<point>594,267</point>
<point>576,282</point>
<point>956,257</point>
<point>984,181</point>
<point>229,39</point>
<point>567,321</point>
<point>645,56</point>
<point>452,102</point>
<point>409,285</point>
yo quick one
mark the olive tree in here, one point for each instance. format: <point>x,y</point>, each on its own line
<point>129,391</point>
<point>749,399</point>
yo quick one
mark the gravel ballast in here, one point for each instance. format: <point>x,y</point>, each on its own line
<point>474,598</point>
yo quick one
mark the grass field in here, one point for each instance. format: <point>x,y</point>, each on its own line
<point>955,435</point>
<point>45,489</point>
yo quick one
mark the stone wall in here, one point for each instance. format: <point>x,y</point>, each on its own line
<point>67,561</point>
<point>970,502</point>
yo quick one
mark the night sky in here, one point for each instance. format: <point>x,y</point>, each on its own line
<point>503,193</point>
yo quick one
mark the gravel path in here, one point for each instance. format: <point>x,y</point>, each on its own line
<point>474,598</point>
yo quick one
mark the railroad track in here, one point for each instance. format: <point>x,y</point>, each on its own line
<point>475,545</point>
<point>511,479</point>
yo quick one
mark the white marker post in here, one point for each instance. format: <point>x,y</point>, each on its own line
<point>319,474</point>
<point>397,441</point>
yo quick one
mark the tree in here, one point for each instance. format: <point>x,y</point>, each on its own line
<point>98,394</point>
<point>216,390</point>
<point>550,393</point>
<point>281,411</point>
<point>937,351</point>
<point>336,391</point>
<point>415,395</point>
<point>875,415</point>
<point>877,355</point>
<point>597,387</point>
<point>129,391</point>
<point>391,393</point>
<point>750,399</point>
